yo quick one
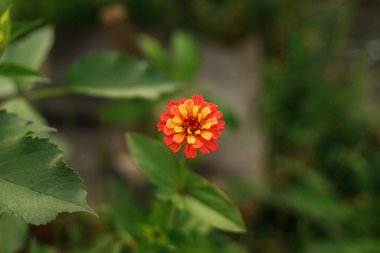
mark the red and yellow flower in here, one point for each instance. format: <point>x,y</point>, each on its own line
<point>193,122</point>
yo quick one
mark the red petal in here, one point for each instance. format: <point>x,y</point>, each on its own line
<point>168,139</point>
<point>171,103</point>
<point>174,110</point>
<point>198,142</point>
<point>190,152</point>
<point>160,126</point>
<point>204,150</point>
<point>213,107</point>
<point>168,131</point>
<point>219,126</point>
<point>165,116</point>
<point>198,99</point>
<point>216,134</point>
<point>175,147</point>
<point>211,144</point>
<point>216,114</point>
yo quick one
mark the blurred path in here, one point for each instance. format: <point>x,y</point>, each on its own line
<point>232,73</point>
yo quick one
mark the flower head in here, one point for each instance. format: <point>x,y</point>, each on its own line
<point>193,122</point>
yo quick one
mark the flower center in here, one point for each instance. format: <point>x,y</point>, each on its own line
<point>191,125</point>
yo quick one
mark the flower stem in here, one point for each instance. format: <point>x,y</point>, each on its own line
<point>47,93</point>
<point>182,171</point>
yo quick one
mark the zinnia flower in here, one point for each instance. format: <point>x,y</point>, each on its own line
<point>193,122</point>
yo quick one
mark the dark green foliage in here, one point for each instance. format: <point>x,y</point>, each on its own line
<point>323,173</point>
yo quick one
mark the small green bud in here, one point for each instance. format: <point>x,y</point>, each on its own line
<point>5,29</point>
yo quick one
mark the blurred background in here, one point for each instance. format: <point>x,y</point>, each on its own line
<point>298,82</point>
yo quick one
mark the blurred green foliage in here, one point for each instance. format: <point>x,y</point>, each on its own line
<point>322,182</point>
<point>323,175</point>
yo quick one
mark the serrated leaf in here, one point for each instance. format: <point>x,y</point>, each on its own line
<point>156,161</point>
<point>115,75</point>
<point>211,205</point>
<point>13,233</point>
<point>35,183</point>
<point>25,110</point>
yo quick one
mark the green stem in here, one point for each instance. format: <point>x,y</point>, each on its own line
<point>19,89</point>
<point>171,216</point>
<point>182,171</point>
<point>47,93</point>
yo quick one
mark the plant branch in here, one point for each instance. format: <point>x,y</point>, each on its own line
<point>47,93</point>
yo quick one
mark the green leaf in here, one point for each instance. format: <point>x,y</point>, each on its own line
<point>4,5</point>
<point>346,245</point>
<point>7,87</point>
<point>20,28</point>
<point>13,233</point>
<point>156,161</point>
<point>155,53</point>
<point>186,55</point>
<point>36,184</point>
<point>198,197</point>
<point>19,72</point>
<point>31,50</point>
<point>25,110</point>
<point>211,205</point>
<point>131,222</point>
<point>114,75</point>
<point>35,247</point>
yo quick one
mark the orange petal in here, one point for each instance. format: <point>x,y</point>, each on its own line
<point>206,135</point>
<point>209,122</point>
<point>206,126</point>
<point>177,120</point>
<point>182,109</point>
<point>189,105</point>
<point>178,129</point>
<point>198,143</point>
<point>174,110</point>
<point>168,131</point>
<point>205,111</point>
<point>195,110</point>
<point>179,137</point>
<point>170,123</point>
<point>191,139</point>
<point>212,120</point>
